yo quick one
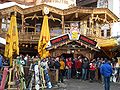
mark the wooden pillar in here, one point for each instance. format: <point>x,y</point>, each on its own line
<point>22,23</point>
<point>92,24</point>
<point>63,25</point>
<point>110,26</point>
<point>6,22</point>
<point>85,27</point>
<point>98,30</point>
<point>105,18</point>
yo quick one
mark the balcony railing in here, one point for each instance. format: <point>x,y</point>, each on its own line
<point>31,37</point>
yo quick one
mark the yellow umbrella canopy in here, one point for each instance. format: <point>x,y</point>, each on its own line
<point>106,45</point>
<point>44,38</point>
<point>12,43</point>
<point>107,42</point>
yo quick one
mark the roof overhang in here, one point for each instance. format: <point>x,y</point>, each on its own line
<point>24,2</point>
<point>82,11</point>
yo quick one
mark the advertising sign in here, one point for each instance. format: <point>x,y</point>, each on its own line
<point>74,31</point>
<point>87,40</point>
<point>59,39</point>
<point>57,3</point>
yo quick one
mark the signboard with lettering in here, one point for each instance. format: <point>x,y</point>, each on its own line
<point>58,3</point>
<point>60,39</point>
<point>87,40</point>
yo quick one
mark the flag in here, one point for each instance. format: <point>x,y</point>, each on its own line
<point>44,38</point>
<point>12,43</point>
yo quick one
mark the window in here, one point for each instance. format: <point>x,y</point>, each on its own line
<point>108,32</point>
<point>5,24</point>
<point>102,32</point>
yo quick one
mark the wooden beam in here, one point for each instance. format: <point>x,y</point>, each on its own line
<point>63,24</point>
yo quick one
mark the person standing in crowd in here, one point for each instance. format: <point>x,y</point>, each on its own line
<point>92,70</point>
<point>85,66</point>
<point>116,72</point>
<point>51,63</point>
<point>78,65</point>
<point>73,71</point>
<point>69,65</point>
<point>106,71</point>
<point>1,65</point>
<point>66,68</point>
<point>98,65</point>
<point>62,67</point>
<point>57,67</point>
<point>1,61</point>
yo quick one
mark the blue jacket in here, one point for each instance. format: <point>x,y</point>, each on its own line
<point>1,64</point>
<point>106,70</point>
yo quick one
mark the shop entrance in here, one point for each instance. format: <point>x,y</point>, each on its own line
<point>65,55</point>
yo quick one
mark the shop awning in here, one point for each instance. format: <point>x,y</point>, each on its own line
<point>107,43</point>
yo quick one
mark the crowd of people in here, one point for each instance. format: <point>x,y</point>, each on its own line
<point>82,68</point>
<point>77,68</point>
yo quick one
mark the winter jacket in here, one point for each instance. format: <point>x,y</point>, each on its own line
<point>1,64</point>
<point>106,69</point>
<point>78,64</point>
<point>85,64</point>
<point>62,65</point>
<point>92,67</point>
<point>69,64</point>
<point>57,65</point>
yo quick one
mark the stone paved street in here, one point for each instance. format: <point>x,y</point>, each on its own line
<point>74,84</point>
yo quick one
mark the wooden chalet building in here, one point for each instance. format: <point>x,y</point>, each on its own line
<point>87,20</point>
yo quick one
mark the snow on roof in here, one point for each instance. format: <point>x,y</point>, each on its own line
<point>9,4</point>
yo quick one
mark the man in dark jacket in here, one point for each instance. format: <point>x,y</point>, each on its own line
<point>57,67</point>
<point>85,67</point>
<point>106,71</point>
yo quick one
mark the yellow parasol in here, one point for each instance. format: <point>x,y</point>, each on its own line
<point>44,38</point>
<point>12,43</point>
<point>106,45</point>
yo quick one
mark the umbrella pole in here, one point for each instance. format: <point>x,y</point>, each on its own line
<point>11,61</point>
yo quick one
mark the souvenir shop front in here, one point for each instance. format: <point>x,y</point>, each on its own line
<point>72,45</point>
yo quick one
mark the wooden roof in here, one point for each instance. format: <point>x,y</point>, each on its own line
<point>24,2</point>
<point>82,11</point>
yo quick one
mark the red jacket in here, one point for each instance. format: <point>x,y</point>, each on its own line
<point>92,66</point>
<point>69,64</point>
<point>78,64</point>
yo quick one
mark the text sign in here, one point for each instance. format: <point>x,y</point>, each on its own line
<point>59,39</point>
<point>87,40</point>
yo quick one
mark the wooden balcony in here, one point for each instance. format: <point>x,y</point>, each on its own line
<point>29,37</point>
